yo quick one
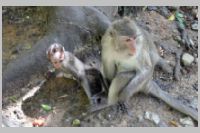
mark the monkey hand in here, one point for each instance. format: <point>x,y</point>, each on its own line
<point>98,103</point>
<point>50,74</point>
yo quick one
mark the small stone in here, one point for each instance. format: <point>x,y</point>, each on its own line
<point>194,12</point>
<point>187,59</point>
<point>191,41</point>
<point>177,38</point>
<point>84,114</point>
<point>76,123</point>
<point>27,46</point>
<point>152,117</point>
<point>27,17</point>
<point>13,57</point>
<point>140,118</point>
<point>196,60</point>
<point>100,116</point>
<point>187,122</point>
<point>194,26</point>
<point>195,55</point>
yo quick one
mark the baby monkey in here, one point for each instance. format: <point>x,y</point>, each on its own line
<point>71,67</point>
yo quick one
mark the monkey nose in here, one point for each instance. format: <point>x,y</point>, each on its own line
<point>57,66</point>
<point>132,39</point>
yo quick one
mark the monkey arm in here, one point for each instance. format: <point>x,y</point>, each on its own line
<point>108,68</point>
<point>155,90</point>
<point>136,84</point>
<point>117,84</point>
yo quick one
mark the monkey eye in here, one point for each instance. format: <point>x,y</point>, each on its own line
<point>54,50</point>
<point>128,39</point>
<point>55,62</point>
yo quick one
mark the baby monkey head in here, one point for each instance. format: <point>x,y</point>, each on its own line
<point>55,54</point>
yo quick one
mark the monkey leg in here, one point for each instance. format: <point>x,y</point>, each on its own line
<point>120,107</point>
<point>99,107</point>
<point>117,84</point>
<point>156,91</point>
<point>164,66</point>
<point>123,107</point>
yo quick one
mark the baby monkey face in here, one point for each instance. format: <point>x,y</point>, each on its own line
<point>57,63</point>
<point>56,55</point>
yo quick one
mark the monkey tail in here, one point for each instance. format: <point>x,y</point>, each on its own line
<point>156,91</point>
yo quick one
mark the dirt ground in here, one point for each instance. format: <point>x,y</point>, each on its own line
<point>69,102</point>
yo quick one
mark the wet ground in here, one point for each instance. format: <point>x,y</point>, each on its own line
<point>68,102</point>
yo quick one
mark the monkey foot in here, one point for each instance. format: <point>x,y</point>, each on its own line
<point>95,108</point>
<point>123,107</point>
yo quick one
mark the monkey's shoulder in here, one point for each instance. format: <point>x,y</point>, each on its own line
<point>69,58</point>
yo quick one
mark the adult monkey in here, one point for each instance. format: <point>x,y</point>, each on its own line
<point>129,57</point>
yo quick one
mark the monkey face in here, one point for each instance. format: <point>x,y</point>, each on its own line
<point>57,59</point>
<point>57,64</point>
<point>55,54</point>
<point>127,42</point>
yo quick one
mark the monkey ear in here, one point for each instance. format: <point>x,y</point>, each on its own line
<point>63,49</point>
<point>48,54</point>
<point>126,19</point>
<point>62,53</point>
<point>113,33</point>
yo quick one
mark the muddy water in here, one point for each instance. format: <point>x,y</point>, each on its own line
<point>62,95</point>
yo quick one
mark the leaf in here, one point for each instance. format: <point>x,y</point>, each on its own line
<point>179,15</point>
<point>46,107</point>
<point>13,98</point>
<point>171,18</point>
<point>180,19</point>
<point>173,123</point>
